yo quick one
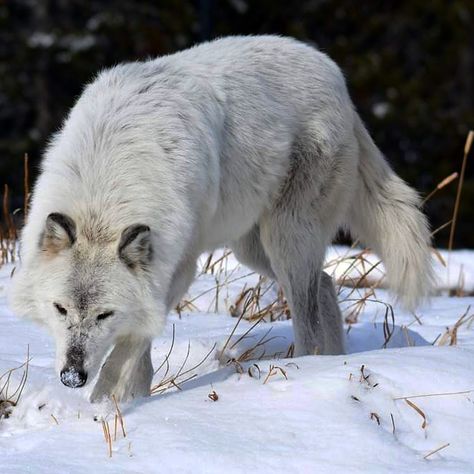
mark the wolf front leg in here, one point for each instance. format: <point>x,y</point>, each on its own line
<point>127,371</point>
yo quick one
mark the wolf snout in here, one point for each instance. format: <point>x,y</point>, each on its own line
<point>73,377</point>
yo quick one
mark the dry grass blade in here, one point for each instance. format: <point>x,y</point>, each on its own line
<point>360,263</point>
<point>110,438</point>
<point>449,179</point>
<point>115,426</point>
<point>363,281</point>
<point>450,337</point>
<point>389,317</point>
<point>273,370</point>
<point>439,256</point>
<point>107,436</point>
<point>409,340</point>
<point>442,394</point>
<point>246,333</point>
<point>181,376</point>
<point>365,377</point>
<point>251,352</point>
<point>439,229</point>
<point>209,290</point>
<point>207,264</point>
<point>166,359</point>
<point>120,417</point>
<point>6,211</point>
<point>210,266</point>
<point>188,351</point>
<point>238,366</point>
<point>467,148</point>
<point>248,301</point>
<point>8,233</point>
<point>230,336</point>
<point>185,305</point>
<point>102,423</point>
<point>393,423</point>
<point>376,417</point>
<point>254,371</point>
<point>436,450</point>
<point>354,310</point>
<point>419,411</point>
<point>387,330</point>
<point>8,399</point>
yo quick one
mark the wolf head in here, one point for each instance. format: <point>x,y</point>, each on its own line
<point>89,292</point>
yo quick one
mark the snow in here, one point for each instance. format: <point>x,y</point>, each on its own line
<point>337,414</point>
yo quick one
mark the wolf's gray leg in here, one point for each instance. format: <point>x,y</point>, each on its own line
<point>332,316</point>
<point>250,252</point>
<point>296,257</point>
<point>182,278</point>
<point>317,321</point>
<point>295,233</point>
<point>127,371</point>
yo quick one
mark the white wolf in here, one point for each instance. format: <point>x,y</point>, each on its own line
<point>247,141</point>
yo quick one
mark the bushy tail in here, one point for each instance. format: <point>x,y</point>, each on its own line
<point>385,215</point>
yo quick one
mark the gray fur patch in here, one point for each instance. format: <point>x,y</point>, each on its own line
<point>75,354</point>
<point>86,283</point>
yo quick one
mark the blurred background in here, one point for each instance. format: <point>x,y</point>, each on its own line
<point>409,67</point>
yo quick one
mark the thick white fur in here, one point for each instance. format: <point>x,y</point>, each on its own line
<point>248,141</point>
<point>386,216</point>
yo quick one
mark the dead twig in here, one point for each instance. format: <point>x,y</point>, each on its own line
<point>120,417</point>
<point>273,370</point>
<point>442,394</point>
<point>419,411</point>
<point>467,148</point>
<point>436,450</point>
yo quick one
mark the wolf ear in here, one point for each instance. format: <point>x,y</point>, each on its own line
<point>59,233</point>
<point>135,246</point>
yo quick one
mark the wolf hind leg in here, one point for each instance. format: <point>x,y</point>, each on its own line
<point>332,316</point>
<point>127,371</point>
<point>297,257</point>
<point>296,231</point>
<point>249,251</point>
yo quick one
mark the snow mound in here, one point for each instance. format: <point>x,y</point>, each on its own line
<point>401,400</point>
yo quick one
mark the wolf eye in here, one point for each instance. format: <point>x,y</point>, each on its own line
<point>60,309</point>
<point>102,316</point>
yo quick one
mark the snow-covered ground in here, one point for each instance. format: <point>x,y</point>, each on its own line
<point>401,391</point>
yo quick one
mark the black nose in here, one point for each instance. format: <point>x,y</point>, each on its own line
<point>73,378</point>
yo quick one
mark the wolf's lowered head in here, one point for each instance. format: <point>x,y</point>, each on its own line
<point>89,292</point>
